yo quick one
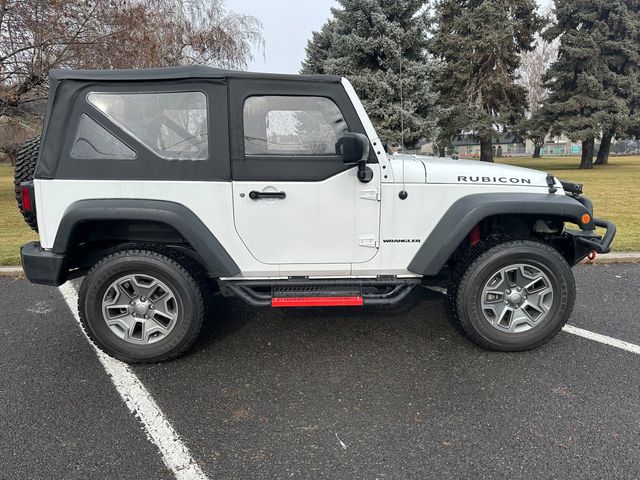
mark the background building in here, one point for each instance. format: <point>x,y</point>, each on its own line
<point>468,146</point>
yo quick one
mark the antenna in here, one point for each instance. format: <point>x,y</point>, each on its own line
<point>403,193</point>
<point>401,105</point>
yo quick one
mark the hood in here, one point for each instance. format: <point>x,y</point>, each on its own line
<point>419,169</point>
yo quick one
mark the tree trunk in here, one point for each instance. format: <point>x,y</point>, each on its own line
<point>536,151</point>
<point>588,147</point>
<point>486,148</point>
<point>442,152</point>
<point>605,149</point>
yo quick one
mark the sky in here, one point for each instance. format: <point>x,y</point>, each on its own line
<point>287,26</point>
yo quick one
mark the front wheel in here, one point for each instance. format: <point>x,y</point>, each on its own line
<point>142,305</point>
<point>514,296</point>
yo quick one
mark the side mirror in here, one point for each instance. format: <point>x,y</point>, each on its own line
<point>354,148</point>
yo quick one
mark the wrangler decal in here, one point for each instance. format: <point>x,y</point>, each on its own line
<point>402,240</point>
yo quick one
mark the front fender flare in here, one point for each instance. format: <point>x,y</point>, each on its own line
<point>468,211</point>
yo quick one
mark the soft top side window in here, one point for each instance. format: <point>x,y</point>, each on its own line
<point>292,125</point>
<point>174,125</point>
<point>94,142</point>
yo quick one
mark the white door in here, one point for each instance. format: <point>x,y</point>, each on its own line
<point>310,208</point>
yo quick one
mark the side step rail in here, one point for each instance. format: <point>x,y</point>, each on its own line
<point>320,293</point>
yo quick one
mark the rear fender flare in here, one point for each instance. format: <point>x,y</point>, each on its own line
<point>216,259</point>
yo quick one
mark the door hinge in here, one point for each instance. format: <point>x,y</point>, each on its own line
<point>370,194</point>
<point>369,241</point>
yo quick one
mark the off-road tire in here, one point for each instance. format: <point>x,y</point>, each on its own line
<point>463,262</point>
<point>25,167</point>
<point>478,268</point>
<point>176,270</point>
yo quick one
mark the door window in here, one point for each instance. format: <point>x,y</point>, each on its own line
<point>292,126</point>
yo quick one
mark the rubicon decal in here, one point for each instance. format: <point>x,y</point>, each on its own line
<point>402,240</point>
<point>511,180</point>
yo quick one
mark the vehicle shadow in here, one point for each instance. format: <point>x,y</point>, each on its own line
<point>228,316</point>
<point>225,316</point>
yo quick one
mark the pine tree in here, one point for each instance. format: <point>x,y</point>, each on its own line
<point>317,50</point>
<point>479,42</point>
<point>621,53</point>
<point>595,79</point>
<point>380,46</point>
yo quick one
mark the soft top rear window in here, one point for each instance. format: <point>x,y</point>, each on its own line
<point>94,142</point>
<point>173,125</point>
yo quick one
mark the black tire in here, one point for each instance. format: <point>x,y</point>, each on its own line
<point>462,264</point>
<point>25,168</point>
<point>177,271</point>
<point>465,298</point>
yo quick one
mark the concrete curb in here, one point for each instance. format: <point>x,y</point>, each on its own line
<point>614,258</point>
<point>609,259</point>
<point>11,272</point>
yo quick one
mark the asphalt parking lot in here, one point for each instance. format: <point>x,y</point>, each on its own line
<point>332,393</point>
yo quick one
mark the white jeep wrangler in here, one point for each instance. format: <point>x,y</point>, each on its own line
<point>165,187</point>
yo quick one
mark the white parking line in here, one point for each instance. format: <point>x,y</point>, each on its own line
<point>596,337</point>
<point>175,454</point>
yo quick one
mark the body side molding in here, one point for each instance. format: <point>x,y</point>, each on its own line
<point>216,259</point>
<point>468,211</point>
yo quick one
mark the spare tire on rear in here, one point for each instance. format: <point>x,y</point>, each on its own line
<point>24,169</point>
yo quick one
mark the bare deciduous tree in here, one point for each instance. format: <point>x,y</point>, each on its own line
<point>534,64</point>
<point>38,35</point>
<point>204,32</point>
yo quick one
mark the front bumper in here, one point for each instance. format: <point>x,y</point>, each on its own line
<point>597,243</point>
<point>586,242</point>
<point>43,266</point>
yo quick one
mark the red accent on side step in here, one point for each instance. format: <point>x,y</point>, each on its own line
<point>317,302</point>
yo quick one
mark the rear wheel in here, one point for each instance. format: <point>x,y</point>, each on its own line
<point>514,296</point>
<point>25,168</point>
<point>143,306</point>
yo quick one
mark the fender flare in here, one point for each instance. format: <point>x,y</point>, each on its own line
<point>216,259</point>
<point>468,211</point>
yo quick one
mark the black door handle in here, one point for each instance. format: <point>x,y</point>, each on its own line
<point>254,195</point>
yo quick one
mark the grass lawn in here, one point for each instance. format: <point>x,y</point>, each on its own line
<point>13,231</point>
<point>614,189</point>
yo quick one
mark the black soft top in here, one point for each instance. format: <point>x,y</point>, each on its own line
<point>66,104</point>
<point>178,73</point>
